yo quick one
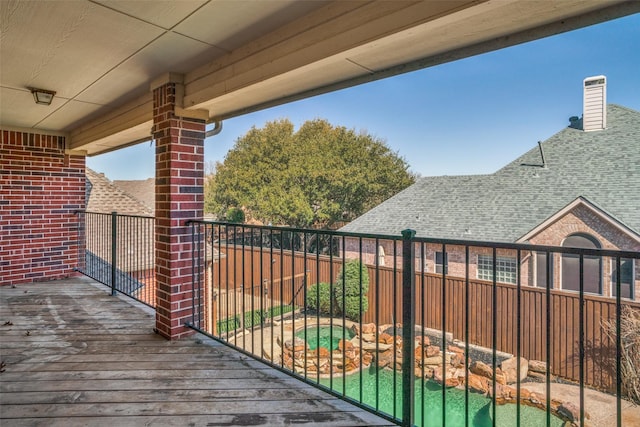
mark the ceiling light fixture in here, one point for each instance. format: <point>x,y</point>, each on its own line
<point>42,96</point>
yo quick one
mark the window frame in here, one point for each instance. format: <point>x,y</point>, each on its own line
<point>613,278</point>
<point>500,260</point>
<point>441,265</point>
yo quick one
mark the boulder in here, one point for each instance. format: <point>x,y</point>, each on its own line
<point>501,378</point>
<point>432,350</point>
<point>296,344</point>
<point>480,368</point>
<point>369,337</point>
<point>455,349</point>
<point>369,328</point>
<point>478,384</point>
<point>323,352</point>
<point>457,360</point>
<point>423,341</point>
<point>345,345</point>
<point>437,360</point>
<point>504,393</point>
<point>510,369</point>
<point>385,338</point>
<point>366,358</point>
<point>537,366</point>
<point>355,328</point>
<point>372,346</point>
<point>451,379</point>
<point>385,359</point>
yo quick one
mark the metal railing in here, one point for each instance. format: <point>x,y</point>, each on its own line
<point>119,252</point>
<point>338,310</point>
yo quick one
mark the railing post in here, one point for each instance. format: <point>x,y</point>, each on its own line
<point>114,247</point>
<point>408,327</point>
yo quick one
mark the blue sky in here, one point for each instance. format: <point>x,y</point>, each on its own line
<point>466,117</point>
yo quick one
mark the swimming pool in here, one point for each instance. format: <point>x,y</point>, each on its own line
<point>362,387</point>
<point>479,409</point>
<point>325,336</point>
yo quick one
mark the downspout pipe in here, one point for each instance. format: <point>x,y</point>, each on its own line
<point>217,128</point>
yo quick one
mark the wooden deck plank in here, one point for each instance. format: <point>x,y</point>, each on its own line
<point>250,419</point>
<point>92,359</point>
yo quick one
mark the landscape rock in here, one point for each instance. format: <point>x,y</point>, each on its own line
<point>451,380</point>
<point>432,350</point>
<point>385,338</point>
<point>368,337</point>
<point>510,369</point>
<point>480,368</point>
<point>537,366</point>
<point>345,345</point>
<point>478,384</point>
<point>323,352</point>
<point>369,328</point>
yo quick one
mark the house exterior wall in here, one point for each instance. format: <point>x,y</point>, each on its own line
<point>426,256</point>
<point>41,187</point>
<point>580,219</point>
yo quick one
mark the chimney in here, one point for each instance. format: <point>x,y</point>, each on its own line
<point>594,115</point>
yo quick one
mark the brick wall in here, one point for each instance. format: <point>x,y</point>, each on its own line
<point>40,188</point>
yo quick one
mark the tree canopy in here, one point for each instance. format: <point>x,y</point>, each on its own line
<point>316,176</point>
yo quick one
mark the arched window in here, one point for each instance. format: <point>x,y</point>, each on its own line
<point>592,265</point>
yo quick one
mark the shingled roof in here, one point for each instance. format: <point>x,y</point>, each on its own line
<point>105,197</point>
<point>601,167</point>
<point>144,190</point>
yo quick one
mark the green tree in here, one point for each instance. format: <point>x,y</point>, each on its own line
<point>317,176</point>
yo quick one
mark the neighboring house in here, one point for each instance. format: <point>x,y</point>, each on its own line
<point>134,202</point>
<point>579,188</point>
<point>135,237</point>
<point>104,196</point>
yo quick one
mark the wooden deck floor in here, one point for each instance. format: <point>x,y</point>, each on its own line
<point>76,356</point>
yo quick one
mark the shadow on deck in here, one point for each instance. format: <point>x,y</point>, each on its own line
<point>76,356</point>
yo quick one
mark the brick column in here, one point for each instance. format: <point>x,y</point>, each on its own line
<point>179,197</point>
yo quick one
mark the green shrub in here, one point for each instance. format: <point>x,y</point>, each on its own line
<point>235,215</point>
<point>351,307</point>
<point>355,278</point>
<point>319,297</point>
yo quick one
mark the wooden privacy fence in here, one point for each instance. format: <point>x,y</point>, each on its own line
<point>260,269</point>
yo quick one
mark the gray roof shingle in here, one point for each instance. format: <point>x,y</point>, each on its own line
<point>105,197</point>
<point>143,190</point>
<point>602,167</point>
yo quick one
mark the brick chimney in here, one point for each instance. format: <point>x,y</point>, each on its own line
<point>594,115</point>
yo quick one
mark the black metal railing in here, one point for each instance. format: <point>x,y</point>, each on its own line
<point>118,251</point>
<point>422,331</point>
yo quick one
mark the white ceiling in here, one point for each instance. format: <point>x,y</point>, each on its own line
<point>237,56</point>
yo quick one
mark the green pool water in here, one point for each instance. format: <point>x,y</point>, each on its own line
<point>326,336</point>
<point>479,409</point>
<point>363,385</point>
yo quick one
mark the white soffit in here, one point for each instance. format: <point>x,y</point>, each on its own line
<point>231,24</point>
<point>170,51</point>
<point>163,13</point>
<point>79,46</point>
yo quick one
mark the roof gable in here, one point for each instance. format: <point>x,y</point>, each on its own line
<point>602,167</point>
<point>581,201</point>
